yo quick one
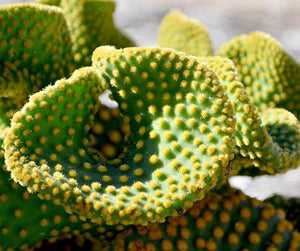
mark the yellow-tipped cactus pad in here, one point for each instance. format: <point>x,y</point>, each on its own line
<point>270,75</point>
<point>166,145</point>
<point>185,34</point>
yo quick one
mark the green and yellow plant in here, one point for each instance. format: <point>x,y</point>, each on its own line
<point>152,173</point>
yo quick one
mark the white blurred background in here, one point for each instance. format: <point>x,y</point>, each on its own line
<point>224,19</point>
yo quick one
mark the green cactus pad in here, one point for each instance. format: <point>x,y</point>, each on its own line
<point>270,141</point>
<point>185,34</point>
<point>169,142</point>
<point>271,77</point>
<point>35,50</point>
<point>91,24</point>
<point>230,221</point>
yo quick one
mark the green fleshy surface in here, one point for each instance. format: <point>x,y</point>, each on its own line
<point>182,33</point>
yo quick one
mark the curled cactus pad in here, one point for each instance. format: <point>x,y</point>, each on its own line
<point>270,75</point>
<point>35,50</point>
<point>168,143</point>
<point>26,220</point>
<point>91,25</point>
<point>269,141</point>
<point>186,34</point>
<point>229,221</point>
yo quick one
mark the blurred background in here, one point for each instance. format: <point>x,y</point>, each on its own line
<point>224,19</point>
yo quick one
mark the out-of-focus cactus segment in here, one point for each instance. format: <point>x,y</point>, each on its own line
<point>231,221</point>
<point>185,34</point>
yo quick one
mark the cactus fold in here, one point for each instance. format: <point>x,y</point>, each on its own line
<point>270,140</point>
<point>35,51</point>
<point>225,221</point>
<point>271,77</point>
<point>163,154</point>
<point>185,34</point>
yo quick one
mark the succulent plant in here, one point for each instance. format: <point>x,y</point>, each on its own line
<point>150,174</point>
<point>185,34</point>
<point>269,74</point>
<point>222,221</point>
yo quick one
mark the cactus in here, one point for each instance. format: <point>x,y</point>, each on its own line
<point>269,141</point>
<point>225,221</point>
<point>185,34</point>
<point>35,51</point>
<point>91,25</point>
<point>269,74</point>
<point>164,153</point>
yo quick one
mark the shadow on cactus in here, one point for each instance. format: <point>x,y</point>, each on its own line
<point>174,149</point>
